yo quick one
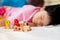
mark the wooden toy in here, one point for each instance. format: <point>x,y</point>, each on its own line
<point>16,28</point>
<point>7,24</point>
<point>21,26</point>
<point>17,25</point>
<point>2,16</point>
<point>26,28</point>
<point>16,22</point>
<point>22,23</point>
<point>1,22</point>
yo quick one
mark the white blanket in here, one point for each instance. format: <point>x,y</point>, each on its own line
<point>37,33</point>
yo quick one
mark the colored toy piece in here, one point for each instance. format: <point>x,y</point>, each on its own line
<point>22,23</point>
<point>16,28</point>
<point>2,12</point>
<point>7,24</point>
<point>2,16</point>
<point>16,22</point>
<point>17,25</point>
<point>23,27</point>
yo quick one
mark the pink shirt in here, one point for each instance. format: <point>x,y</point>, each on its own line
<point>22,14</point>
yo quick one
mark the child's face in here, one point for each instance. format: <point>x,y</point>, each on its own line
<point>41,18</point>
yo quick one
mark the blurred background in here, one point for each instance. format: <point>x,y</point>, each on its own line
<point>20,3</point>
<point>52,2</point>
<point>15,3</point>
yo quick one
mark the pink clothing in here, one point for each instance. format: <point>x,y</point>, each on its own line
<point>22,14</point>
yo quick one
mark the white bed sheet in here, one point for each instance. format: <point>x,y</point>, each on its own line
<point>37,33</point>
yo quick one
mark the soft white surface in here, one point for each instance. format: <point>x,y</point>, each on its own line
<point>37,33</point>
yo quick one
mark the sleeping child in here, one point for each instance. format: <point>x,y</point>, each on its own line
<point>28,13</point>
<point>34,16</point>
<point>52,10</point>
<point>22,14</point>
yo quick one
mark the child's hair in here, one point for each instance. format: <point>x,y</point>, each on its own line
<point>54,13</point>
<point>38,3</point>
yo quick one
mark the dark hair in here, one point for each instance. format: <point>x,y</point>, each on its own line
<point>54,13</point>
<point>38,3</point>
